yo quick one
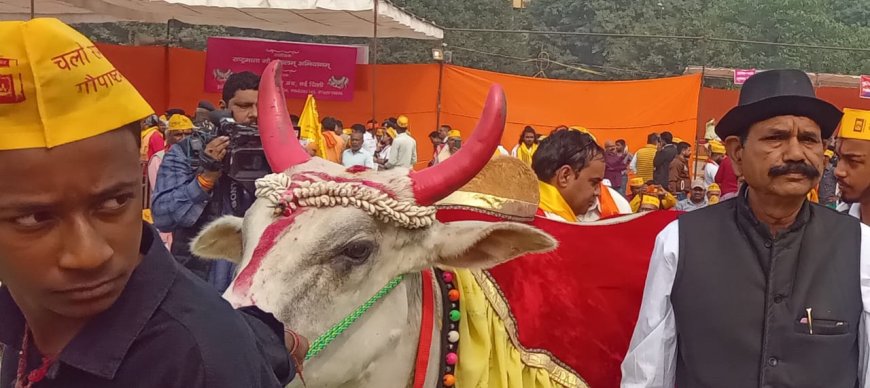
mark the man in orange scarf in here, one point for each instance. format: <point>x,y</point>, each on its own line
<point>333,142</point>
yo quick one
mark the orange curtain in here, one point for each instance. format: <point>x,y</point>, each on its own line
<point>173,78</point>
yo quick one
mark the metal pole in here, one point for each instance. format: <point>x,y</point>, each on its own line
<point>32,9</point>
<point>701,121</point>
<point>438,102</point>
<point>374,64</point>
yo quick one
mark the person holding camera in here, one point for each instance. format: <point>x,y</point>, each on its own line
<point>192,188</point>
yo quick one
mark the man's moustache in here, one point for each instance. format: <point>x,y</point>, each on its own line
<point>795,168</point>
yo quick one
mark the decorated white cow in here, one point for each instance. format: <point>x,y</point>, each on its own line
<point>336,253</point>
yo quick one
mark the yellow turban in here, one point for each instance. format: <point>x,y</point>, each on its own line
<point>180,123</point>
<point>403,122</point>
<point>635,182</point>
<point>454,133</point>
<point>56,87</point>
<point>855,124</point>
<point>652,201</point>
<point>717,147</point>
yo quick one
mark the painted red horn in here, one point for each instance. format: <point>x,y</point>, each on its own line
<point>437,182</point>
<point>280,144</point>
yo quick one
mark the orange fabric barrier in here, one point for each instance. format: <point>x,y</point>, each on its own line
<point>611,110</point>
<point>173,78</point>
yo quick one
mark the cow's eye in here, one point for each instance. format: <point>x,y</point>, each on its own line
<point>358,251</point>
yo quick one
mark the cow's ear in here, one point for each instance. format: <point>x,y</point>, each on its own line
<point>221,239</point>
<point>476,244</point>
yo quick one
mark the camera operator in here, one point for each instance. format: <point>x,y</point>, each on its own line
<point>192,188</point>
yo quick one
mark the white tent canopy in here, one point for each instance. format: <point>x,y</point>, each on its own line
<point>309,17</point>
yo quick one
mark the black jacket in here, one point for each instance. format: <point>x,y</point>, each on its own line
<point>167,329</point>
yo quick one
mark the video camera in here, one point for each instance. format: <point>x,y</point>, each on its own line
<point>245,161</point>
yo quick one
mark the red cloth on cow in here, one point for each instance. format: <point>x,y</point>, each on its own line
<point>580,302</point>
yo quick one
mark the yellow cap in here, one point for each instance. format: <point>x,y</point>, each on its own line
<point>56,87</point>
<point>855,124</point>
<point>677,140</point>
<point>636,182</point>
<point>392,133</point>
<point>403,122</point>
<point>347,131</point>
<point>829,153</point>
<point>651,201</point>
<point>714,187</point>
<point>454,133</point>
<point>717,147</point>
<point>180,123</point>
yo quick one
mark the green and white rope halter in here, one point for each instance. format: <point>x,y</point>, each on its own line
<point>330,335</point>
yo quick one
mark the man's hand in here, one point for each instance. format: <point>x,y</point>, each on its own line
<point>297,345</point>
<point>217,148</point>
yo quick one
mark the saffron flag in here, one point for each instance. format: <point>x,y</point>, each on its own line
<point>309,126</point>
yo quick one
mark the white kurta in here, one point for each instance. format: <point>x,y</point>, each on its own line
<point>652,355</point>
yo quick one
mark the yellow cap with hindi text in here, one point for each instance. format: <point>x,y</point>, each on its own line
<point>713,187</point>
<point>56,87</point>
<point>637,181</point>
<point>454,133</point>
<point>717,147</point>
<point>180,123</point>
<point>855,124</point>
<point>651,201</point>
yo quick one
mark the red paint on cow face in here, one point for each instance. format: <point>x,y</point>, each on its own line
<point>242,284</point>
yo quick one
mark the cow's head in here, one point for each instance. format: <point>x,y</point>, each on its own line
<point>322,239</point>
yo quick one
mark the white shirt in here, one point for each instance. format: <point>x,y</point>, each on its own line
<point>710,170</point>
<point>370,144</point>
<point>403,152</point>
<point>651,361</point>
<point>594,213</point>
<point>359,158</point>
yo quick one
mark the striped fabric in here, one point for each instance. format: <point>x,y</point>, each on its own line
<point>645,165</point>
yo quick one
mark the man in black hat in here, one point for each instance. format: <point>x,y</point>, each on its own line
<point>764,290</point>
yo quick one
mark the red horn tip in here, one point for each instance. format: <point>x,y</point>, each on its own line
<point>281,146</point>
<point>435,183</point>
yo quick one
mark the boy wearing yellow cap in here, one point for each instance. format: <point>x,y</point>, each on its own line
<point>853,168</point>
<point>90,297</point>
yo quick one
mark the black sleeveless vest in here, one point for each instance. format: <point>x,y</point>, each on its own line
<point>740,298</point>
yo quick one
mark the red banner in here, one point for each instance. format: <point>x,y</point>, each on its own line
<point>865,86</point>
<point>326,71</point>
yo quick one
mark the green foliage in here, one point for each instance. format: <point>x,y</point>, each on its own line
<point>844,23</point>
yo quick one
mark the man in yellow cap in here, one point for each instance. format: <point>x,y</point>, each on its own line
<point>180,127</point>
<point>827,190</point>
<point>649,203</point>
<point>89,296</point>
<point>711,168</point>
<point>636,186</point>
<point>853,168</point>
<point>454,142</point>
<point>714,194</point>
<point>403,152</point>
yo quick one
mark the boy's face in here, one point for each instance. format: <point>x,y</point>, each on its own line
<point>71,224</point>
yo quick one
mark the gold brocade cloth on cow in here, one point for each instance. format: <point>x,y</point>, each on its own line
<point>489,355</point>
<point>56,87</point>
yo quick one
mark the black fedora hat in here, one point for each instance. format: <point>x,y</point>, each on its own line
<point>778,93</point>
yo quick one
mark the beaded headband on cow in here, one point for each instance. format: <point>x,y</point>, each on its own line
<point>317,190</point>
